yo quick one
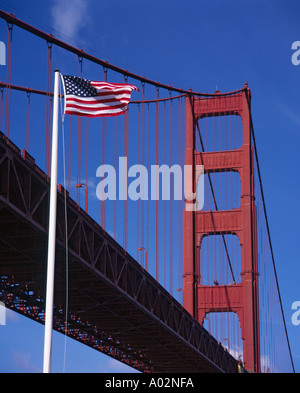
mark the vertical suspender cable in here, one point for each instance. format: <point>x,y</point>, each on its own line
<point>8,79</point>
<point>143,185</point>
<point>207,203</point>
<point>104,132</point>
<point>138,202</point>
<point>70,153</point>
<point>183,202</point>
<point>148,166</point>
<point>165,202</point>
<point>27,121</point>
<point>180,208</point>
<point>79,140</point>
<point>48,109</point>
<point>1,107</point>
<point>115,163</point>
<point>125,203</point>
<point>87,155</point>
<point>125,200</point>
<point>47,114</point>
<point>171,198</point>
<point>157,188</point>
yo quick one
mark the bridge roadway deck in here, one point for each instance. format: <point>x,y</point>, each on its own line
<point>115,306</point>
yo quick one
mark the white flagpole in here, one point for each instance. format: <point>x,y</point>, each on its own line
<point>52,233</point>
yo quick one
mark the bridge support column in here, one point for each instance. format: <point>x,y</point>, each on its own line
<point>189,277</point>
<point>239,297</point>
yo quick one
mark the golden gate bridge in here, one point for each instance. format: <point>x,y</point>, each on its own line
<point>152,283</point>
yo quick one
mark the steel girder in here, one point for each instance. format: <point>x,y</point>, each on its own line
<point>115,306</point>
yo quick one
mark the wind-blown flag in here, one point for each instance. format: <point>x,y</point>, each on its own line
<point>94,99</point>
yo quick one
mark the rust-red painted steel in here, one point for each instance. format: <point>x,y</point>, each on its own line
<point>240,298</point>
<point>25,89</point>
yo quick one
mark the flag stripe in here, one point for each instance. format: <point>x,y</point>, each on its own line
<point>96,99</point>
<point>108,85</point>
<point>92,98</point>
<point>115,94</point>
<point>97,108</point>
<point>89,114</point>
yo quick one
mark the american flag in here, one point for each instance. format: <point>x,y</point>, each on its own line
<point>93,99</point>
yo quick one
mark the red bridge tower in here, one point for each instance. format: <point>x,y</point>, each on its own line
<point>240,298</point>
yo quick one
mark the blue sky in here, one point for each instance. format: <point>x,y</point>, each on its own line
<point>201,44</point>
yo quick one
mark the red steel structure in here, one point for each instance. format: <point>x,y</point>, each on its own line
<point>115,306</point>
<point>241,298</point>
